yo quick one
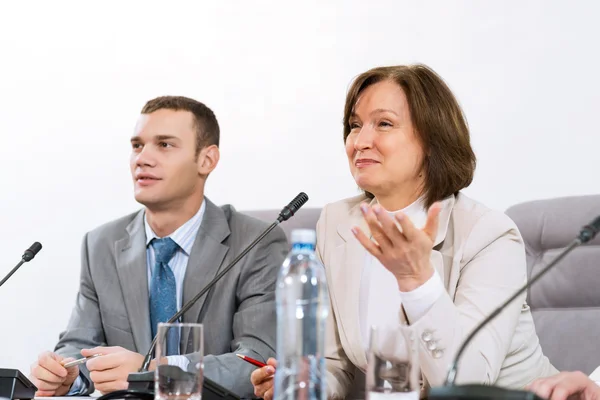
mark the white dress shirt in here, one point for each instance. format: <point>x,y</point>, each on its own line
<point>381,300</point>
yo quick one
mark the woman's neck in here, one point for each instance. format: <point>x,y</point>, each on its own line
<point>397,201</point>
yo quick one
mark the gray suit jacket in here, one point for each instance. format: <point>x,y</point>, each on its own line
<point>238,314</point>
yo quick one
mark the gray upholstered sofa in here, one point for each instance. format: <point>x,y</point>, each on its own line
<point>566,302</point>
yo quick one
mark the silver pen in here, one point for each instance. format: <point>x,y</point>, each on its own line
<point>80,361</point>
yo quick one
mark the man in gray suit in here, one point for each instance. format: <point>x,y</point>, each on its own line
<point>140,269</point>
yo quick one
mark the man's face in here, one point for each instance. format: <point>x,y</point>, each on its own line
<point>164,165</point>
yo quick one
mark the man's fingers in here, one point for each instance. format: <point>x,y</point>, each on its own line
<point>45,386</point>
<point>43,374</point>
<point>109,375</point>
<point>112,386</point>
<point>101,350</point>
<point>51,363</point>
<point>105,362</point>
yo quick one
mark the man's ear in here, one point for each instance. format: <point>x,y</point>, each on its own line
<point>208,159</point>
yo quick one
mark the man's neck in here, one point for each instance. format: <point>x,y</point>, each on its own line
<point>165,221</point>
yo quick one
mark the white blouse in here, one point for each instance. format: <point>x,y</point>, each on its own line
<point>380,298</point>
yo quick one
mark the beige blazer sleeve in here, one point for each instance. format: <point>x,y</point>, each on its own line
<point>490,266</point>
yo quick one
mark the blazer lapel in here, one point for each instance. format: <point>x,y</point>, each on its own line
<point>350,256</point>
<point>132,269</point>
<point>437,254</point>
<point>205,261</point>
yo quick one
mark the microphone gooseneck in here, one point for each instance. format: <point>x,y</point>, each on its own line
<point>586,234</point>
<point>286,213</point>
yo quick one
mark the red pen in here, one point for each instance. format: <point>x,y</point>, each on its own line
<point>251,360</point>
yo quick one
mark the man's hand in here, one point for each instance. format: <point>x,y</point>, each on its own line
<point>566,385</point>
<point>109,371</point>
<point>50,377</point>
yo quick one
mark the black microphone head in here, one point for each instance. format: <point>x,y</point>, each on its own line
<point>288,211</point>
<point>32,251</point>
<point>589,231</point>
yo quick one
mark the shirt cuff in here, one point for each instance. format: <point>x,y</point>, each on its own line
<point>78,387</point>
<point>417,302</point>
<point>179,361</point>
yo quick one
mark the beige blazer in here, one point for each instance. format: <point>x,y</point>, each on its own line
<point>480,256</point>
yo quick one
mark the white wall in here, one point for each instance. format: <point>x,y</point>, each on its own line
<point>74,76</point>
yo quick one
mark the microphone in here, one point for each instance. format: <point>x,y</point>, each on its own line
<point>27,256</point>
<point>476,391</point>
<point>286,213</point>
<point>13,383</point>
<point>142,382</point>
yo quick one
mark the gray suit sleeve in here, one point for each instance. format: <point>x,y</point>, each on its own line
<point>254,321</point>
<point>85,326</point>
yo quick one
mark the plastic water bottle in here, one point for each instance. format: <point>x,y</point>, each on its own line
<point>302,308</point>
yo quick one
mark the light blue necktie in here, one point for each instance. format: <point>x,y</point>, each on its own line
<point>163,291</point>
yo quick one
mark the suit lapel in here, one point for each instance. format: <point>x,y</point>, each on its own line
<point>133,276</point>
<point>205,261</point>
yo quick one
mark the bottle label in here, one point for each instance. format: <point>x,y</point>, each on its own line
<point>303,246</point>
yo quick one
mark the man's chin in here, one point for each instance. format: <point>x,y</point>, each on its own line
<point>146,200</point>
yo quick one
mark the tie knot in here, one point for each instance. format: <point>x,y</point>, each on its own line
<point>164,249</point>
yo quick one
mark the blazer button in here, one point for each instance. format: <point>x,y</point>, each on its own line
<point>427,336</point>
<point>437,353</point>
<point>431,345</point>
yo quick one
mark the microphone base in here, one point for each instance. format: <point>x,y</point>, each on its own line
<point>479,392</point>
<point>144,382</point>
<point>15,385</point>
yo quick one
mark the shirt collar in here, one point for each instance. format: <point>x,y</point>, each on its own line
<point>416,211</point>
<point>185,235</point>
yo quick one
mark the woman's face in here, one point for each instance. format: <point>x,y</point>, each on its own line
<point>384,152</point>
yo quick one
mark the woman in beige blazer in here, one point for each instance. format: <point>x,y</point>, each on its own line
<point>413,249</point>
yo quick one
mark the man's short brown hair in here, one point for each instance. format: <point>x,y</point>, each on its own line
<point>207,127</point>
<point>449,161</point>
